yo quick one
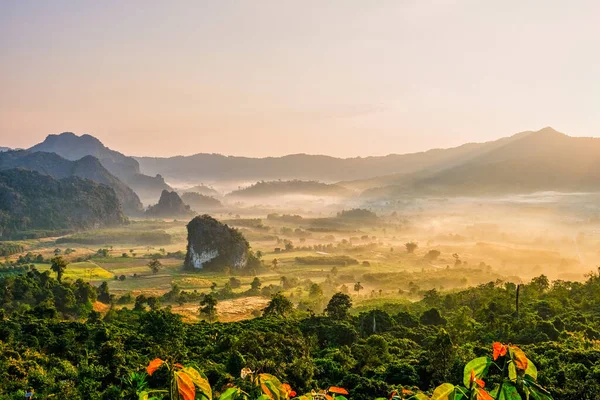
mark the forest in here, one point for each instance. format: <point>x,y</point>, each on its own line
<point>56,341</point>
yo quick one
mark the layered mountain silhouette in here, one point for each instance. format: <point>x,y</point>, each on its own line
<point>544,160</point>
<point>216,167</point>
<point>58,167</point>
<point>127,169</point>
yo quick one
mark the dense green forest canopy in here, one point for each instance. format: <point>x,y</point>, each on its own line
<point>53,341</point>
<point>31,202</point>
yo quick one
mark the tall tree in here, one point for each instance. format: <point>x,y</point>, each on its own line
<point>59,265</point>
<point>338,306</point>
<point>358,287</point>
<point>208,307</point>
<point>279,306</point>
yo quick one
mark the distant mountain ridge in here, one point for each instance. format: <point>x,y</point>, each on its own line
<point>33,204</point>
<point>282,188</point>
<point>216,167</point>
<point>545,160</point>
<point>127,169</point>
<point>58,167</point>
<point>525,162</point>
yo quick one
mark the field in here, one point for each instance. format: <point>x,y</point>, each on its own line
<point>365,257</point>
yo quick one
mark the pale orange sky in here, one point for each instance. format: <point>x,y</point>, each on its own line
<point>273,77</point>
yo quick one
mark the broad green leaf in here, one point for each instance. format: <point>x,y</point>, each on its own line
<point>480,366</point>
<point>199,381</point>
<point>231,394</point>
<point>419,396</point>
<point>263,397</point>
<point>512,371</point>
<point>443,392</point>
<point>143,396</point>
<point>340,397</point>
<point>508,392</point>
<point>536,392</point>
<point>531,370</point>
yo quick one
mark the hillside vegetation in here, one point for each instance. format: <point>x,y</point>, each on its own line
<point>87,167</point>
<point>31,202</point>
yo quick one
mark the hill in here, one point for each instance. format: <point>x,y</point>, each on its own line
<point>281,188</point>
<point>58,167</point>
<point>30,201</point>
<point>199,202</point>
<point>169,205</point>
<point>545,160</point>
<point>217,167</point>
<point>204,190</point>
<point>73,147</point>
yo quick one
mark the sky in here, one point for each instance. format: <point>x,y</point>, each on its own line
<point>273,77</point>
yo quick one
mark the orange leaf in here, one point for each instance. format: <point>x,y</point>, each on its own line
<point>185,386</point>
<point>519,358</point>
<point>266,390</point>
<point>338,390</point>
<point>481,394</point>
<point>154,365</point>
<point>328,397</point>
<point>499,350</point>
<point>474,379</point>
<point>178,365</point>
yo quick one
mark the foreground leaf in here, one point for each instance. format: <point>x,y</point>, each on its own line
<point>232,393</point>
<point>154,365</point>
<point>185,386</point>
<point>199,381</point>
<point>480,365</point>
<point>443,392</point>
<point>519,358</point>
<point>531,370</point>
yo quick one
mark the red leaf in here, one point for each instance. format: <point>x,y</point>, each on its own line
<point>499,350</point>
<point>154,365</point>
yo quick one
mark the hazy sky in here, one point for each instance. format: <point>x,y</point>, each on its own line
<point>260,77</point>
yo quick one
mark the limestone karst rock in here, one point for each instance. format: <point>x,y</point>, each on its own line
<point>213,245</point>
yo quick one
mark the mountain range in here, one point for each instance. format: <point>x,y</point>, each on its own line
<point>544,160</point>
<point>127,169</point>
<point>526,162</point>
<point>87,167</point>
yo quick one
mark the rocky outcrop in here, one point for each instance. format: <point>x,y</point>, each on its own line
<point>213,245</point>
<point>170,205</point>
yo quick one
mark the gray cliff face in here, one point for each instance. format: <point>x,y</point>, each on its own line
<point>213,245</point>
